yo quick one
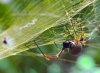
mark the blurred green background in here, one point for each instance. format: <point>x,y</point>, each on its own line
<point>48,22</point>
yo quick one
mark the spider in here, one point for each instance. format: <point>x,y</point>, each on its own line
<point>74,47</point>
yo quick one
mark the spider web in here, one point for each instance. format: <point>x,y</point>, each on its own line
<point>51,21</point>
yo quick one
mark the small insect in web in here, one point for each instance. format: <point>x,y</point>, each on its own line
<point>4,41</point>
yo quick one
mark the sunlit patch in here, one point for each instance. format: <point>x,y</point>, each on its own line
<point>28,24</point>
<point>54,68</point>
<point>5,1</point>
<point>85,62</point>
<point>8,42</point>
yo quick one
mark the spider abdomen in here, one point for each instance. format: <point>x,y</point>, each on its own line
<point>75,48</point>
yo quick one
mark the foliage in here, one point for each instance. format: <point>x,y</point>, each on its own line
<point>47,22</point>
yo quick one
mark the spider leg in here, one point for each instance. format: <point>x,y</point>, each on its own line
<point>41,51</point>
